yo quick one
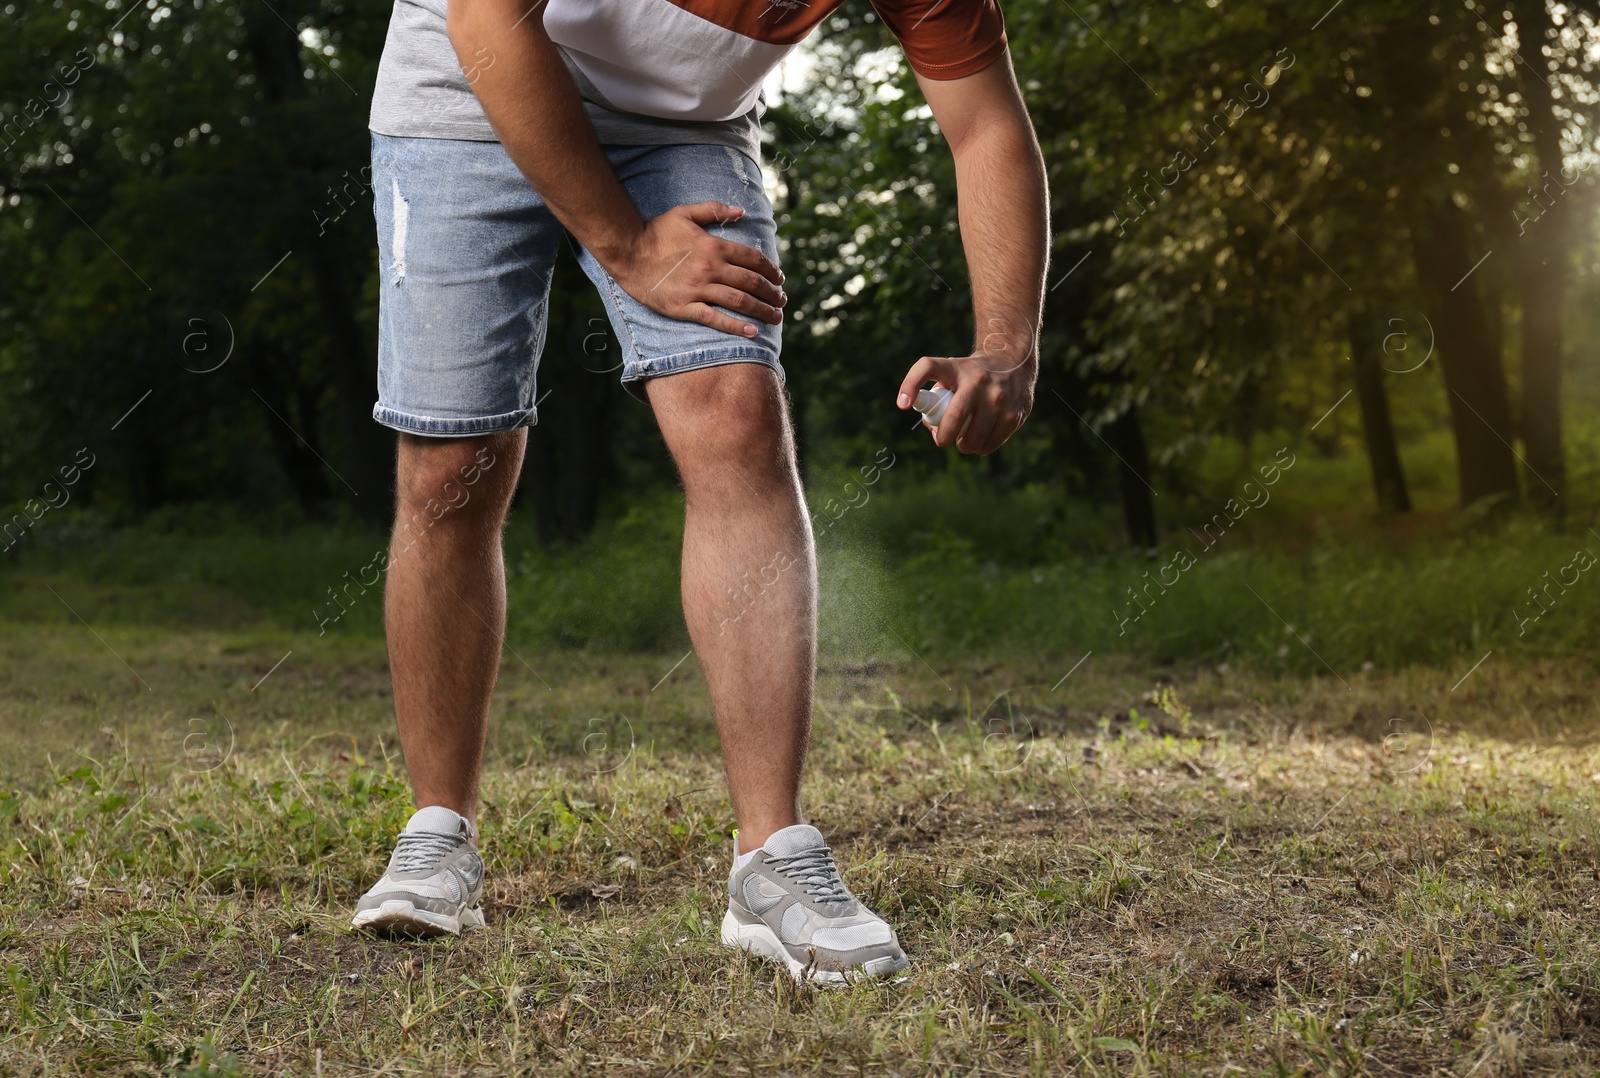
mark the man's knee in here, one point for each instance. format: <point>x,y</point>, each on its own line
<point>464,478</point>
<point>725,420</point>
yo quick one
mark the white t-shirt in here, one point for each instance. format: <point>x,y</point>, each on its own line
<point>656,72</point>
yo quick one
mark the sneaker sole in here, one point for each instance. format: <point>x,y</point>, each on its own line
<point>758,939</point>
<point>398,917</point>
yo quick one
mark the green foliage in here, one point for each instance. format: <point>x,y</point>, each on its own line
<point>198,143</point>
<point>938,567</point>
<point>1234,195</point>
<point>619,591</point>
<point>1327,610</point>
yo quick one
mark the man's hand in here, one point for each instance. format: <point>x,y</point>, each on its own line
<point>670,264</point>
<point>677,268</point>
<point>993,396</point>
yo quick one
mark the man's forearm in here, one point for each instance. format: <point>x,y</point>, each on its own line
<point>1005,230</point>
<point>535,109</point>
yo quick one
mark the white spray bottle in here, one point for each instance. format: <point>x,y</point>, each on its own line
<point>932,403</point>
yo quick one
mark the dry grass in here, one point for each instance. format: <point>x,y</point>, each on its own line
<point>1138,872</point>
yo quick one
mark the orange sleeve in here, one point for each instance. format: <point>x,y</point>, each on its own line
<point>946,39</point>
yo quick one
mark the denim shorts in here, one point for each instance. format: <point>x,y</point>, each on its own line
<point>466,251</point>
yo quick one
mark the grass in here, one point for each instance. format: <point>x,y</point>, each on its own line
<point>921,567</point>
<point>1324,806</point>
<point>1142,870</point>
<point>933,570</point>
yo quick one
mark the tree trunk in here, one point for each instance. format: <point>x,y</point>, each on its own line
<point>1377,428</point>
<point>367,449</point>
<point>1543,265</point>
<point>1469,355</point>
<point>1448,270</point>
<point>1077,457</point>
<point>300,460</point>
<point>1543,283</point>
<point>1125,436</point>
<point>147,460</point>
<point>568,457</point>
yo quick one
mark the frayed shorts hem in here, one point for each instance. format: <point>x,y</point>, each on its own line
<point>641,371</point>
<point>435,427</point>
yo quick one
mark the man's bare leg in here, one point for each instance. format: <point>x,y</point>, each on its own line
<point>445,605</point>
<point>749,579</point>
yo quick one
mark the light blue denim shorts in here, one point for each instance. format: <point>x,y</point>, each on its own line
<point>466,251</point>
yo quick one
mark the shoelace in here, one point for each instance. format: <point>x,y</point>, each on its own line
<point>815,871</point>
<point>420,850</point>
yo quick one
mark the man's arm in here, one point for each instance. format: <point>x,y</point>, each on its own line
<point>1005,230</point>
<point>670,264</point>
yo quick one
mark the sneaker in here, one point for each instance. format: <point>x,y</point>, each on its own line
<point>434,882</point>
<point>790,904</point>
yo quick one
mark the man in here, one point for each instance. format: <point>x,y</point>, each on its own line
<point>499,126</point>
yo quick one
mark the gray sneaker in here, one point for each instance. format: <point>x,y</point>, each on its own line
<point>434,883</point>
<point>790,904</point>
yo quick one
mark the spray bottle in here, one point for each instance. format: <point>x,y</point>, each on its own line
<point>932,403</point>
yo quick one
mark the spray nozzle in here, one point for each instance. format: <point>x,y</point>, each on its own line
<point>932,403</point>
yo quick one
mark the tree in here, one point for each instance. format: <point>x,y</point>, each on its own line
<point>1377,426</point>
<point>1544,257</point>
<point>157,203</point>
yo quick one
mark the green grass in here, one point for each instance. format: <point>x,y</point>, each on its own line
<point>1171,872</point>
<point>1324,807</point>
<point>932,570</point>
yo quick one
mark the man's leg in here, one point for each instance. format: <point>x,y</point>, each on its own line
<point>749,579</point>
<point>750,597</point>
<point>466,249</point>
<point>445,605</point>
<point>445,613</point>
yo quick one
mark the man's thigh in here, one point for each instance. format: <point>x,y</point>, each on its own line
<point>657,179</point>
<point>466,251</point>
